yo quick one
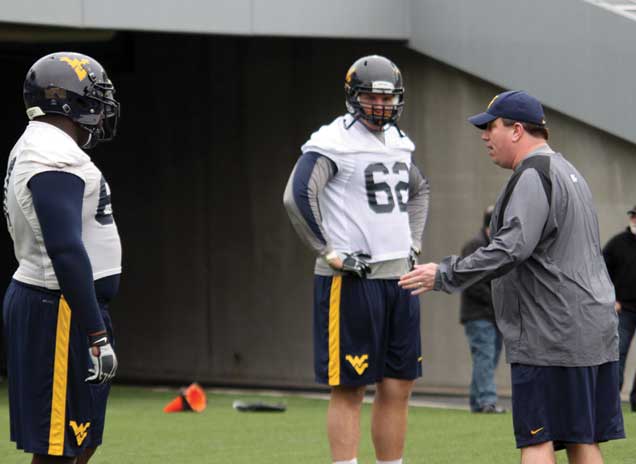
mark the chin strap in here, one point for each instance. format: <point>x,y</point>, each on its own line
<point>354,118</point>
<point>94,136</point>
<point>402,134</point>
<point>88,142</point>
<point>357,117</point>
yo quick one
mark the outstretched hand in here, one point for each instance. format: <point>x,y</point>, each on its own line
<point>421,279</point>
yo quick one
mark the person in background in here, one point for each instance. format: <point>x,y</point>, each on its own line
<point>620,258</point>
<point>478,318</point>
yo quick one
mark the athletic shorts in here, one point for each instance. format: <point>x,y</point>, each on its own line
<point>566,404</point>
<point>365,330</point>
<point>52,410</point>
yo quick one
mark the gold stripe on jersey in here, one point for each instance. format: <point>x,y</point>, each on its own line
<point>60,373</point>
<point>334,330</point>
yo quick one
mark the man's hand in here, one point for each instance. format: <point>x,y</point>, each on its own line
<point>353,263</point>
<point>421,279</point>
<point>103,358</point>
<point>618,307</point>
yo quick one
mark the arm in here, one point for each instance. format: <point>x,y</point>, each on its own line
<point>479,292</point>
<point>417,206</point>
<point>610,261</point>
<point>524,219</point>
<point>57,198</point>
<point>309,177</point>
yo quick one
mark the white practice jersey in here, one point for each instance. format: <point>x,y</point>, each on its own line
<point>44,147</point>
<point>364,206</point>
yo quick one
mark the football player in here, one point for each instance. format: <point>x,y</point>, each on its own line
<point>58,210</point>
<point>356,198</point>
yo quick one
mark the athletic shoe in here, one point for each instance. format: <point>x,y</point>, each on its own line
<point>492,409</point>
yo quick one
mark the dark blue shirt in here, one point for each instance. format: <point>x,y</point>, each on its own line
<point>57,198</point>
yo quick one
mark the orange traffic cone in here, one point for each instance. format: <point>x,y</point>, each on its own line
<point>189,399</point>
<point>176,405</point>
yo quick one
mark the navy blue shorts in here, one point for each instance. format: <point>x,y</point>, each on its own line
<point>365,330</point>
<point>566,405</point>
<point>52,410</point>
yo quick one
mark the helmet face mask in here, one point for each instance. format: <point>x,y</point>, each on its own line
<point>75,86</point>
<point>100,115</point>
<point>374,76</point>
<point>377,108</point>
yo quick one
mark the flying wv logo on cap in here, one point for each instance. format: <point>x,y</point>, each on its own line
<point>492,101</point>
<point>516,105</point>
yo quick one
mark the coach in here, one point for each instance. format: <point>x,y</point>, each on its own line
<point>553,299</point>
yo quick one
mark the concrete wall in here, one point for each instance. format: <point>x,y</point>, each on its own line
<point>572,54</point>
<point>305,18</point>
<point>216,285</point>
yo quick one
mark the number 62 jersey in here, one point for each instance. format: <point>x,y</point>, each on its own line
<point>43,147</point>
<point>355,190</point>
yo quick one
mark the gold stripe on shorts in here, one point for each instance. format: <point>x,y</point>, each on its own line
<point>334,330</point>
<point>60,375</point>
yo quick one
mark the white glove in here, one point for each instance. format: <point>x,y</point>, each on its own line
<point>104,363</point>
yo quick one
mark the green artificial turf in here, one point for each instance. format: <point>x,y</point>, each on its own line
<point>137,431</point>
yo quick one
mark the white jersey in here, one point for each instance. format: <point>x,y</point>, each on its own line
<point>44,147</point>
<point>364,206</point>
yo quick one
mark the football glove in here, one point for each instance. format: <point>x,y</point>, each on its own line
<point>105,363</point>
<point>356,263</point>
<point>413,254</point>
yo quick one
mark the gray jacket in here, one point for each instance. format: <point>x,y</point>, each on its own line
<point>553,299</point>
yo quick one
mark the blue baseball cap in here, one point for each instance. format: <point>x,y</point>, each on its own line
<point>513,104</point>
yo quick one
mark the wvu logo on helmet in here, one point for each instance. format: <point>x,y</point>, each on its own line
<point>352,70</point>
<point>80,431</point>
<point>359,363</point>
<point>77,66</point>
